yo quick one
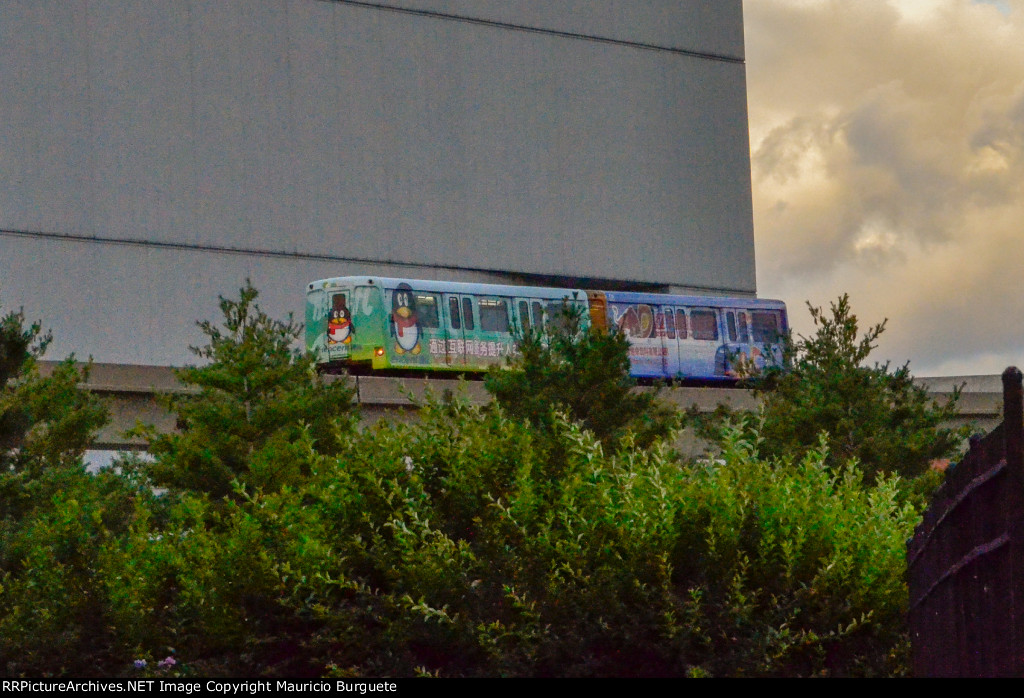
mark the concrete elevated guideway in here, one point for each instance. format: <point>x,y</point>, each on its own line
<point>133,391</point>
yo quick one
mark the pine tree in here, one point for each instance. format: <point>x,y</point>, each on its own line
<point>46,422</point>
<point>259,406</point>
<point>870,413</point>
<point>584,372</point>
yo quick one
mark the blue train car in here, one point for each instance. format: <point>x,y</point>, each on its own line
<point>693,337</point>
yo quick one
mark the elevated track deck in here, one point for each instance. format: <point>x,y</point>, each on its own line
<point>133,394</point>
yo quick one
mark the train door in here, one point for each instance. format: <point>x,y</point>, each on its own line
<point>538,318</point>
<point>684,364</point>
<point>522,321</point>
<point>737,349</point>
<point>492,341</point>
<point>528,315</point>
<point>696,356</point>
<point>340,329</point>
<point>700,351</point>
<point>671,343</point>
<point>461,326</point>
<point>537,315</point>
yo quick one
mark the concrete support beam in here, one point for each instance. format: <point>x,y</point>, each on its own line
<point>134,394</point>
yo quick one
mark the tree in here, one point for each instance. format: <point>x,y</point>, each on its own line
<point>585,372</point>
<point>873,414</point>
<point>259,402</point>
<point>46,422</point>
<point>54,516</point>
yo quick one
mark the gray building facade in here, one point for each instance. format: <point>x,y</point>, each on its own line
<point>155,154</point>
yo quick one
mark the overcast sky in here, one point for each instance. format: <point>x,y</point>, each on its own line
<point>887,155</point>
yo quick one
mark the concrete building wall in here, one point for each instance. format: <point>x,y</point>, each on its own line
<point>154,154</point>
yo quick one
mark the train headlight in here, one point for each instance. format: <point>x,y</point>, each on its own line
<point>379,351</point>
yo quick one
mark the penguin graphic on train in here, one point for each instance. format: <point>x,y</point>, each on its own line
<point>339,322</point>
<point>404,322</point>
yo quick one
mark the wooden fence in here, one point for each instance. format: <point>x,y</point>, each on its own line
<point>966,559</point>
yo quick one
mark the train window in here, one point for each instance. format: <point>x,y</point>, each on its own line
<point>493,315</point>
<point>555,316</point>
<point>467,313</point>
<point>681,323</point>
<point>766,327</point>
<point>704,324</point>
<point>730,326</point>
<point>426,310</point>
<point>453,311</point>
<point>538,313</point>
<point>670,325</point>
<point>339,320</point>
<point>741,327</point>
<point>524,316</point>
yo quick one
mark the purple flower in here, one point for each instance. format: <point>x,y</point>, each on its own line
<point>165,663</point>
<point>140,663</point>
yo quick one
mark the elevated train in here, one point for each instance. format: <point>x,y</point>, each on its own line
<point>366,324</point>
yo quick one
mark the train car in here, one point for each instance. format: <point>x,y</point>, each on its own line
<point>693,337</point>
<point>375,324</point>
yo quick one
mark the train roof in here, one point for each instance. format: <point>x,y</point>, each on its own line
<point>508,290</point>
<point>700,301</point>
<point>451,287</point>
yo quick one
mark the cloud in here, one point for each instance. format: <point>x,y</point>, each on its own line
<point>887,154</point>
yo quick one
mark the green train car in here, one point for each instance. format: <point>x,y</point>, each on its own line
<point>362,324</point>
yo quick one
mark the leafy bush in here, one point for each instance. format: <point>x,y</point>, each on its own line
<point>801,565</point>
<point>53,605</point>
<point>476,541</point>
<point>463,557</point>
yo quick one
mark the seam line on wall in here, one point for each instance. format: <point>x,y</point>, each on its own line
<point>315,256</point>
<point>434,14</point>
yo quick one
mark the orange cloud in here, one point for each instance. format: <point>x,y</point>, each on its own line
<point>887,153</point>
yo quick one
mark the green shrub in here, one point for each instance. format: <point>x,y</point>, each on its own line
<point>462,557</point>
<point>475,541</point>
<point>46,422</point>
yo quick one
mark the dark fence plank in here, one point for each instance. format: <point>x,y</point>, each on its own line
<point>966,559</point>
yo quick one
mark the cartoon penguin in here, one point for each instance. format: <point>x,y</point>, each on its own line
<point>339,324</point>
<point>404,321</point>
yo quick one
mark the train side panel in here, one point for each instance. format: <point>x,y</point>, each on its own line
<point>648,353</point>
<point>417,337</point>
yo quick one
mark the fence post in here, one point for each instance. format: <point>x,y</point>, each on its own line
<point>1013,422</point>
<point>1012,663</point>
